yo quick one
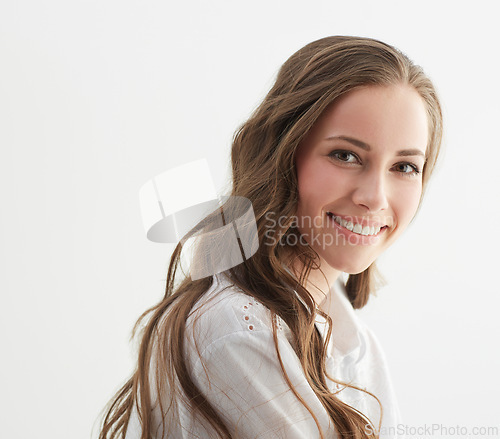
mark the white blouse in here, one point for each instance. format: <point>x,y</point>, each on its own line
<point>238,371</point>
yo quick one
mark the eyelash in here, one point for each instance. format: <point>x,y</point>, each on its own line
<point>416,171</point>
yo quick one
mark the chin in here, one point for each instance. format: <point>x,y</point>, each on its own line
<point>348,267</point>
<point>356,271</point>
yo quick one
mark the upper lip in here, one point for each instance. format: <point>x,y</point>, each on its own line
<point>362,220</point>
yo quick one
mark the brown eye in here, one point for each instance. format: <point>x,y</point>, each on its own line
<point>408,169</point>
<point>344,156</point>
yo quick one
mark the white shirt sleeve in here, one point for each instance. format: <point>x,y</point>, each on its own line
<point>242,378</point>
<point>235,366</point>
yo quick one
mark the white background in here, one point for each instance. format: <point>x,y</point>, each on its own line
<point>97,97</point>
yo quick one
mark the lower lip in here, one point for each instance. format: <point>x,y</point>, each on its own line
<point>355,238</point>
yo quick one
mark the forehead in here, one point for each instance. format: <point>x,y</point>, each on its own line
<point>392,116</point>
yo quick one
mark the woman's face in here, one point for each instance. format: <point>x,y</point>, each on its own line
<point>359,174</point>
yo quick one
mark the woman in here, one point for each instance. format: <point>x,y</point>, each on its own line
<point>334,162</point>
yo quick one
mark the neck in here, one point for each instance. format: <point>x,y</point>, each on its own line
<point>320,281</point>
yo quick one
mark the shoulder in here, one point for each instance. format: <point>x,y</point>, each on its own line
<point>225,309</point>
<point>226,312</point>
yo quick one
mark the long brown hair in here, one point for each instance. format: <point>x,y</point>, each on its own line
<point>263,171</point>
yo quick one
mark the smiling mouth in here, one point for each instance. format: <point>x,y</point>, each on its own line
<point>355,227</point>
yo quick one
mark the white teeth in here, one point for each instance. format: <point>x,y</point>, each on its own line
<point>357,228</point>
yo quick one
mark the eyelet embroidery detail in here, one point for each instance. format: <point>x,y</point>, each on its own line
<point>279,321</point>
<point>246,316</point>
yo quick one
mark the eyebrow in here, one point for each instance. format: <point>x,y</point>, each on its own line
<point>366,147</point>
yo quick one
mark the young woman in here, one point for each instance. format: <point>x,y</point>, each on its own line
<point>334,162</point>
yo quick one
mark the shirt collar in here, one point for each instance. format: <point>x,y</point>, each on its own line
<point>345,337</point>
<point>346,328</point>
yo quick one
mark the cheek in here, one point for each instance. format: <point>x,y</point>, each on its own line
<point>318,184</point>
<point>406,202</point>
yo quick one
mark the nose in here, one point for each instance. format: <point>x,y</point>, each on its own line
<point>371,192</point>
